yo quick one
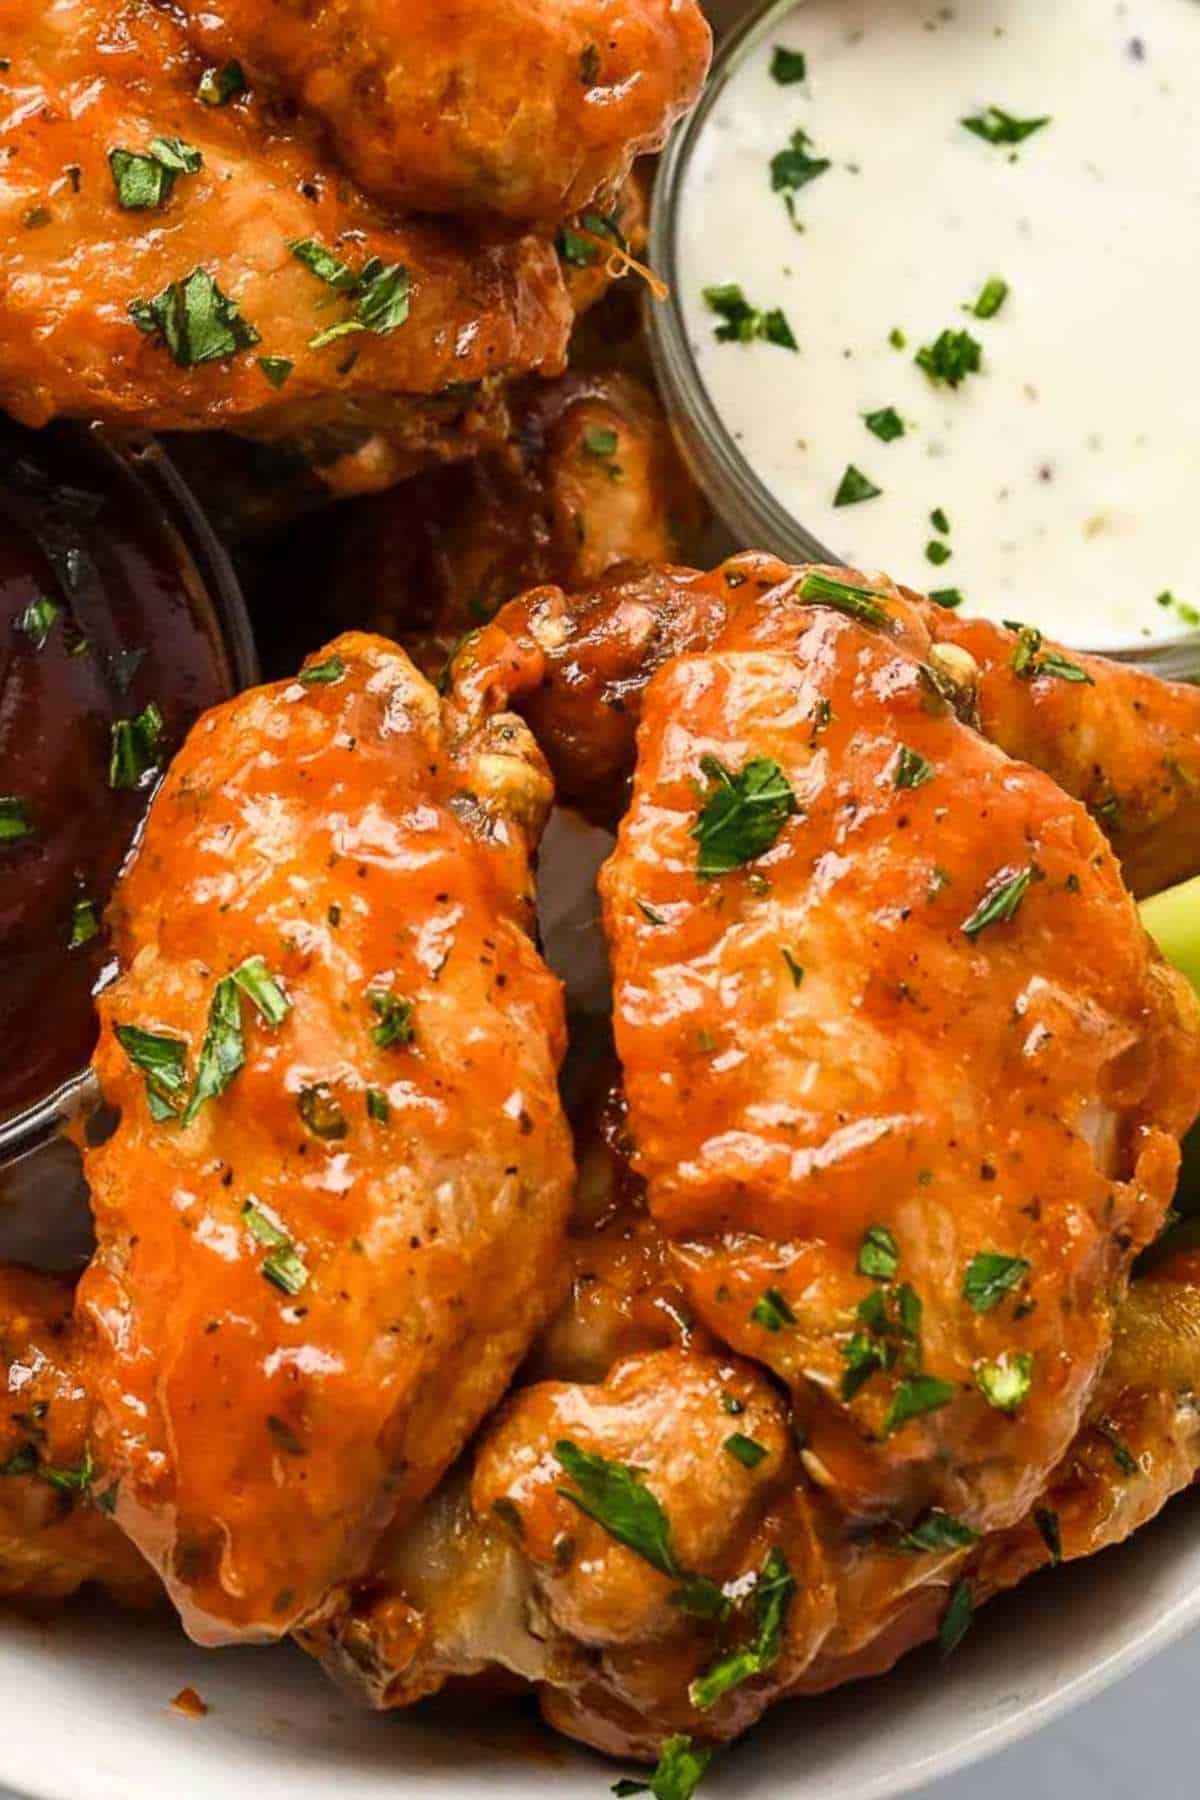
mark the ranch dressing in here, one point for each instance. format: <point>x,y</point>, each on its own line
<point>1059,483</point>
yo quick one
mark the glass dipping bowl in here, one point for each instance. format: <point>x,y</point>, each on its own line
<point>127,552</point>
<point>752,515</point>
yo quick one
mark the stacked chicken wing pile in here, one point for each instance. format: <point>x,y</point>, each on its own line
<point>824,1331</point>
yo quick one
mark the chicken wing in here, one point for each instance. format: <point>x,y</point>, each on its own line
<point>53,1540</point>
<point>872,980</point>
<point>588,478</point>
<point>241,283</point>
<point>330,1216</point>
<point>1125,743</point>
<point>530,109</point>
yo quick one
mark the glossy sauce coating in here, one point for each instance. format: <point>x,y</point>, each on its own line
<point>260,1435</point>
<point>529,109</point>
<point>89,79</point>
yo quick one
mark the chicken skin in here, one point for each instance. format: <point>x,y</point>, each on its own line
<point>330,1217</point>
<point>529,109</point>
<point>200,306</point>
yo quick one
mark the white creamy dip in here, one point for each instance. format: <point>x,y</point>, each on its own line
<point>1066,470</point>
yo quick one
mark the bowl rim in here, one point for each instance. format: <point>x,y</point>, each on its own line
<point>138,460</point>
<point>720,467</point>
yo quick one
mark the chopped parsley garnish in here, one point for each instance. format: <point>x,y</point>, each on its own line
<point>889,1339</point>
<point>915,1396</point>
<point>681,1766</point>
<point>940,520</point>
<point>743,323</point>
<point>794,969</point>
<point>1005,1383</point>
<point>939,1531</point>
<point>951,598</point>
<point>912,769</point>
<point>284,1267</point>
<point>382,291</point>
<point>878,1254</point>
<point>262,990</point>
<point>37,621</point>
<point>577,251</point>
<point>793,169</point>
<point>854,487</point>
<point>886,424</point>
<point>990,1276</point>
<point>322,674</point>
<point>589,65</point>
<point>163,1062</point>
<point>85,923</point>
<point>950,358</point>
<point>1046,1520</point>
<point>319,1109</point>
<point>859,603</point>
<point>223,1051</point>
<point>995,126</point>
<point>772,1311</point>
<point>275,368</point>
<point>1030,660</point>
<point>378,1106</point>
<point>1188,615</point>
<point>144,179</point>
<point>600,441</point>
<point>15,823</point>
<point>616,1497</point>
<point>992,296</point>
<point>770,1600</point>
<point>218,86</point>
<point>1000,901</point>
<point>937,553</point>
<point>743,815</point>
<point>956,1621</point>
<point>1122,1455</point>
<point>743,1449</point>
<point>731,1404</point>
<point>395,1019</point>
<point>135,748</point>
<point>788,66</point>
<point>195,321</point>
<point>897,339</point>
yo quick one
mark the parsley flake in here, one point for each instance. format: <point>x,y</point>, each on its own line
<point>958,1617</point>
<point>915,1396</point>
<point>788,66</point>
<point>878,1254</point>
<point>939,1531</point>
<point>162,1060</point>
<point>85,923</point>
<point>855,487</point>
<point>275,368</point>
<point>37,621</point>
<point>937,553</point>
<point>318,1107</point>
<point>743,323</point>
<point>284,1267</point>
<point>951,357</point>
<point>745,1450</point>
<point>1030,660</point>
<point>1046,1520</point>
<point>770,1600</point>
<point>135,748</point>
<point>743,815</point>
<point>1000,901</point>
<point>15,822</point>
<point>950,598</point>
<point>772,1311</point>
<point>995,126</point>
<point>322,674</point>
<point>992,296</point>
<point>218,86</point>
<point>912,769</point>
<point>990,1276</point>
<point>195,321</point>
<point>223,1051</point>
<point>859,603</point>
<point>395,1019</point>
<point>1005,1383</point>
<point>681,1766</point>
<point>886,424</point>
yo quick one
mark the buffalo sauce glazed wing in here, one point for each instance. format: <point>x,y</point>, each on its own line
<point>529,109</point>
<point>871,976</point>
<point>169,295</point>
<point>330,1217</point>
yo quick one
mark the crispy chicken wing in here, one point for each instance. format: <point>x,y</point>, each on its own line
<point>53,1540</point>
<point>446,310</point>
<point>1125,743</point>
<point>330,1217</point>
<point>529,109</point>
<point>865,965</point>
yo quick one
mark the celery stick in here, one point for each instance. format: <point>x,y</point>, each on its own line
<point>1173,921</point>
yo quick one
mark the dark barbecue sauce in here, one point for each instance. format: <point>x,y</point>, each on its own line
<point>126,629</point>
